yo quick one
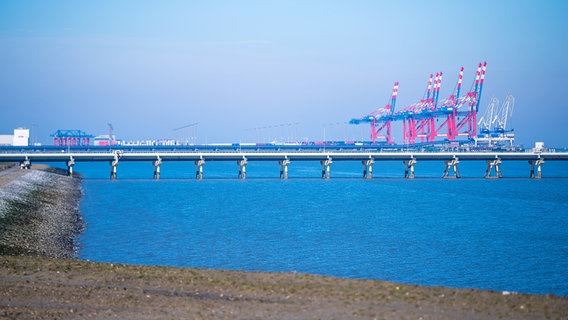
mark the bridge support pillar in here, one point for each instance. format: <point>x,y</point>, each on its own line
<point>326,168</point>
<point>157,164</point>
<point>537,163</point>
<point>493,164</point>
<point>284,168</point>
<point>368,168</point>
<point>199,169</point>
<point>26,164</point>
<point>242,168</point>
<point>70,164</point>
<point>409,168</point>
<point>451,171</point>
<point>113,165</point>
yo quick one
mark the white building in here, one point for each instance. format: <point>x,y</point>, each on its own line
<point>20,138</point>
<point>539,147</point>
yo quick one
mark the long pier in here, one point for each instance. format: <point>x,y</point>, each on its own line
<point>451,160</point>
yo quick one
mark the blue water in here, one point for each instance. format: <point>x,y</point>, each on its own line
<point>508,234</point>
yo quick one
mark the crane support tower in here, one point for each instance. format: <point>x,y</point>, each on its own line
<point>493,124</point>
<point>431,118</point>
<point>111,137</point>
<point>380,119</point>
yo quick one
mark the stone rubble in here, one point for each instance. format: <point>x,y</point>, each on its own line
<point>39,214</point>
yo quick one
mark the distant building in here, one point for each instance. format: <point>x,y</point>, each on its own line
<point>6,139</point>
<point>20,138</point>
<point>539,147</point>
<point>105,140</point>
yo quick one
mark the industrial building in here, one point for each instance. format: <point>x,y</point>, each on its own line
<point>20,138</point>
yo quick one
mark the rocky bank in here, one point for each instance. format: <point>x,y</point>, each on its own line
<point>39,213</point>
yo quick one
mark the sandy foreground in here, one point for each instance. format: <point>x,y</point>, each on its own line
<point>33,286</point>
<point>46,288</point>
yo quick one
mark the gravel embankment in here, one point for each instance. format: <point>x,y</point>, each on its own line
<point>39,213</point>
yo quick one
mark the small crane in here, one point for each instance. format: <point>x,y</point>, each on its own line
<point>184,133</point>
<point>110,134</point>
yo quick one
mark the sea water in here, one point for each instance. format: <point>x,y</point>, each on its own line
<point>499,234</point>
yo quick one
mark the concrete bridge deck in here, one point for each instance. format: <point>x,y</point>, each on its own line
<point>284,157</point>
<point>279,155</point>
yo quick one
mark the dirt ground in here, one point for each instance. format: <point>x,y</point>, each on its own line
<point>45,288</point>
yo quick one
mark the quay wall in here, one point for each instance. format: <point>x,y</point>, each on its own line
<point>39,213</point>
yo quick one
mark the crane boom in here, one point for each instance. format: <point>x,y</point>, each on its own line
<point>186,126</point>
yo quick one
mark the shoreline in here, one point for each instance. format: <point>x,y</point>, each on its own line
<point>39,212</point>
<point>41,277</point>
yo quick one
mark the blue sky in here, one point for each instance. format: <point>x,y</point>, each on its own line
<point>265,70</point>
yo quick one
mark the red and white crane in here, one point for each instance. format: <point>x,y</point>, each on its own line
<point>429,118</point>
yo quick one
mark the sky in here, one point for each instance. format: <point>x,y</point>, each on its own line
<point>257,71</point>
